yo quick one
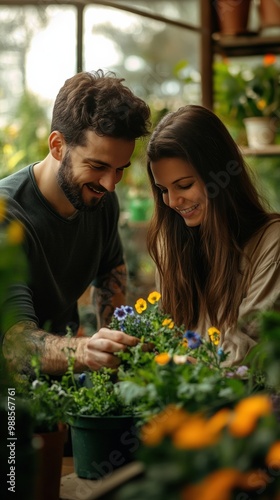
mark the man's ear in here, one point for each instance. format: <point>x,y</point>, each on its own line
<point>56,144</point>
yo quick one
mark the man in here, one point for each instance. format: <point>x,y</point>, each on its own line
<point>69,210</point>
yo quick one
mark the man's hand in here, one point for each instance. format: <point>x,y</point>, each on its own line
<point>102,345</point>
<point>25,340</point>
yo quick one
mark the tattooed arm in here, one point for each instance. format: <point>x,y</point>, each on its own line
<point>110,294</point>
<point>25,340</point>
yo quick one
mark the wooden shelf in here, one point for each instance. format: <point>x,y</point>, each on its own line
<point>271,150</point>
<point>245,45</point>
<point>213,42</point>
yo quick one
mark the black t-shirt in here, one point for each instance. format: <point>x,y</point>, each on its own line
<point>64,255</point>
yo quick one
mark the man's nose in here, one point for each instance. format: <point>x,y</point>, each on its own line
<point>108,181</point>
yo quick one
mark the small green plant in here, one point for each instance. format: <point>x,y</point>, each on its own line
<point>46,399</point>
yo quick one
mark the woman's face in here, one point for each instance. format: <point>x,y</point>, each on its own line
<point>181,188</point>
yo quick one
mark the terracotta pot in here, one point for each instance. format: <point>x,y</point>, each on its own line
<point>269,13</point>
<point>261,131</point>
<point>232,16</point>
<point>50,454</point>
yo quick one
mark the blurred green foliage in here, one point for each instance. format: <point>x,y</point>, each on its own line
<point>24,139</point>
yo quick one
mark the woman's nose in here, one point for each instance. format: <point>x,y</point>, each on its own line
<point>174,200</point>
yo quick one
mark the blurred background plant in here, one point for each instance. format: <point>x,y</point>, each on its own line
<point>243,90</point>
<point>25,137</point>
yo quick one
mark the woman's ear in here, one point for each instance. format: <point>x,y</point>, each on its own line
<point>56,144</point>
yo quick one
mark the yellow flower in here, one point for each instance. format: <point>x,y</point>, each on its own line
<point>163,358</point>
<point>185,343</point>
<point>168,322</point>
<point>219,485</point>
<point>2,209</point>
<point>163,424</point>
<point>15,232</point>
<point>12,130</point>
<point>261,104</point>
<point>214,335</point>
<point>7,149</point>
<point>141,305</point>
<point>154,297</point>
<point>246,414</point>
<point>273,456</point>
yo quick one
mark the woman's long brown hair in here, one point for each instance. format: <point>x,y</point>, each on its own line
<point>199,267</point>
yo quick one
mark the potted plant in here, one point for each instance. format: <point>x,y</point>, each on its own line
<point>47,403</point>
<point>250,95</point>
<point>103,424</point>
<point>171,365</point>
<point>269,11</point>
<point>231,451</point>
<point>232,16</point>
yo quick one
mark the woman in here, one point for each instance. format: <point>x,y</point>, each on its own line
<point>215,244</point>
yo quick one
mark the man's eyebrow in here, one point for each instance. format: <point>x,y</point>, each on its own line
<point>104,163</point>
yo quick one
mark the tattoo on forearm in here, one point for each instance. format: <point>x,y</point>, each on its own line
<point>114,284</point>
<point>21,342</point>
<point>24,340</point>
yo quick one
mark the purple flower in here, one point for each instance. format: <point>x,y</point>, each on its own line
<point>82,378</point>
<point>129,310</point>
<point>193,338</point>
<point>242,371</point>
<point>120,313</point>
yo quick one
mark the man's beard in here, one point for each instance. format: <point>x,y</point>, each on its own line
<point>72,191</point>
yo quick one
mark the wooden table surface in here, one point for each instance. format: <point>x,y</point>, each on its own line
<point>75,488</point>
<point>67,466</point>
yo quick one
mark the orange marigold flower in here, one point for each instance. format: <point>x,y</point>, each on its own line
<point>219,420</point>
<point>195,433</point>
<point>269,59</point>
<point>154,297</point>
<point>214,335</point>
<point>163,358</point>
<point>163,424</point>
<point>247,412</point>
<point>273,455</point>
<point>220,484</point>
<point>198,432</point>
<point>141,305</point>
